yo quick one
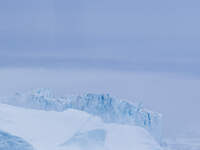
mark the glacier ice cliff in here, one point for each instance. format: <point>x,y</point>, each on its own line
<point>109,109</point>
<point>10,142</point>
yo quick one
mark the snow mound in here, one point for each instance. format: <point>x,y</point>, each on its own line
<point>109,109</point>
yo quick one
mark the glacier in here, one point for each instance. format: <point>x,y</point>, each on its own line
<point>109,109</point>
<point>70,130</point>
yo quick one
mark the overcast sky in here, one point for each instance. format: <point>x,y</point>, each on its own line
<point>117,30</point>
<point>147,35</point>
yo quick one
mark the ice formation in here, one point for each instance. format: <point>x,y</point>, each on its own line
<point>10,142</point>
<point>70,130</point>
<point>109,109</point>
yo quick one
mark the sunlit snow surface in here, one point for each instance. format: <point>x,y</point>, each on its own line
<point>71,129</point>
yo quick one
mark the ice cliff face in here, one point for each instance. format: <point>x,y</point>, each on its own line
<point>110,110</point>
<point>117,111</point>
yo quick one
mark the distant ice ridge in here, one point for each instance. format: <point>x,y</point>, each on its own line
<point>109,109</point>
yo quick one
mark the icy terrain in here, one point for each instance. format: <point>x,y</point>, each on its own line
<point>109,109</point>
<point>10,142</point>
<point>71,130</point>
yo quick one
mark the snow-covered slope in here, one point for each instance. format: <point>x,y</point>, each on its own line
<point>71,129</point>
<point>109,109</point>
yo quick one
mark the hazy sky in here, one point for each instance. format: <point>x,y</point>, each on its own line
<point>117,29</point>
